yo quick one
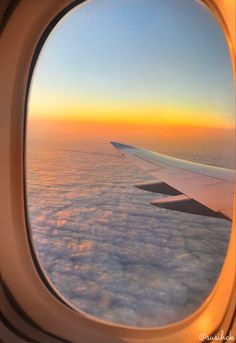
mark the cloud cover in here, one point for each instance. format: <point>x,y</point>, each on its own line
<point>106,249</point>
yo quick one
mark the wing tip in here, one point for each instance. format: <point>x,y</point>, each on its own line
<point>122,147</point>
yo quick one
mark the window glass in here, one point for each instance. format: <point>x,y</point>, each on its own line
<point>148,73</point>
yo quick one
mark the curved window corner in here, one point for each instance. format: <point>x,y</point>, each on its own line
<point>127,231</point>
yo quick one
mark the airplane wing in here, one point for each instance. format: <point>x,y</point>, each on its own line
<point>190,187</point>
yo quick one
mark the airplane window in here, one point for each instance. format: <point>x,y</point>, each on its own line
<point>155,75</point>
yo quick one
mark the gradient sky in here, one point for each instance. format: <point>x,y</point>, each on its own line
<point>147,61</point>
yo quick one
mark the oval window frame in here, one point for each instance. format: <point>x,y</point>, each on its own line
<point>65,322</point>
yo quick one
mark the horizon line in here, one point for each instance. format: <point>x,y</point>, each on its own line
<point>128,123</point>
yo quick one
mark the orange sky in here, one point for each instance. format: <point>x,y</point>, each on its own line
<point>103,128</point>
<point>184,116</point>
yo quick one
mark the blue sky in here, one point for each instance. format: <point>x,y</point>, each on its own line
<point>118,55</point>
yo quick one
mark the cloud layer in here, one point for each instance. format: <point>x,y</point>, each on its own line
<point>106,249</point>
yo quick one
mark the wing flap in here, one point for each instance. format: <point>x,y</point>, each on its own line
<point>157,187</point>
<point>182,203</point>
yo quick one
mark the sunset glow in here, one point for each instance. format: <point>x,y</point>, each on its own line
<point>159,64</point>
<point>149,116</point>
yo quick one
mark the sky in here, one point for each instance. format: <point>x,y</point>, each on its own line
<point>135,61</point>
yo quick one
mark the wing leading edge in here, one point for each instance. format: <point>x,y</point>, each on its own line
<point>191,187</point>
